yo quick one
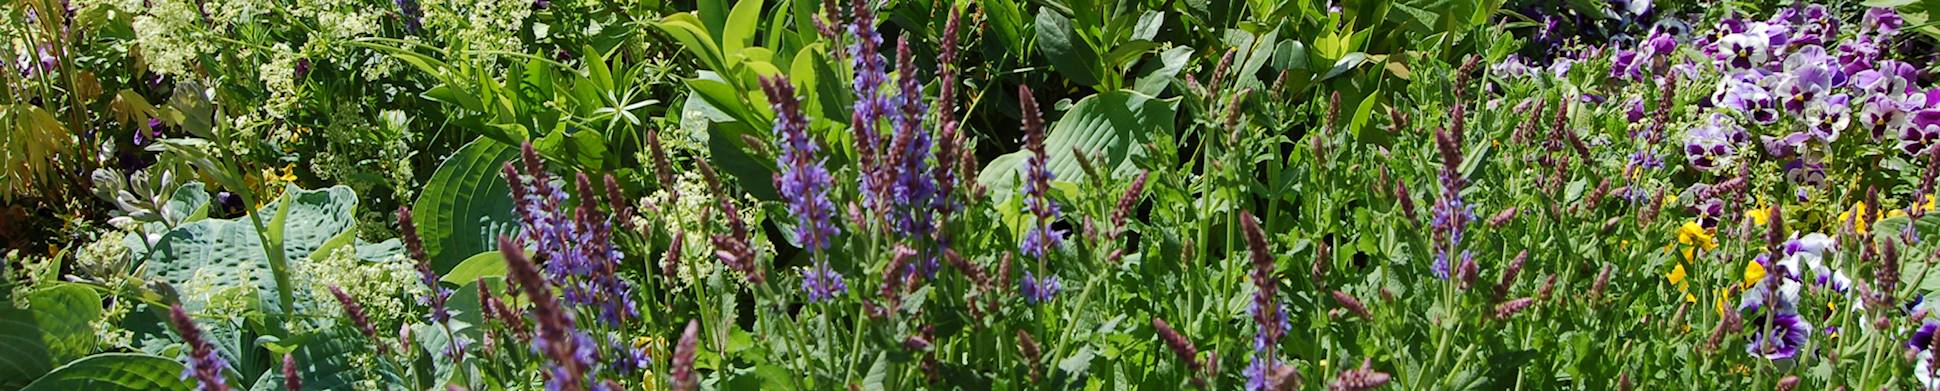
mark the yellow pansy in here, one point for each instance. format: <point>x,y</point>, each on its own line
<point>1677,277</point>
<point>1692,236</point>
<point>1926,207</point>
<point>1760,216</point>
<point>1753,272</point>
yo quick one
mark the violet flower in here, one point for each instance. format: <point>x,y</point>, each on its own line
<point>871,105</point>
<point>413,15</point>
<point>1038,290</point>
<point>577,249</point>
<point>568,351</point>
<point>1451,214</point>
<point>1040,239</point>
<point>1780,338</point>
<point>1922,134</point>
<point>203,363</point>
<point>437,294</point>
<point>804,184</point>
<point>1270,321</point>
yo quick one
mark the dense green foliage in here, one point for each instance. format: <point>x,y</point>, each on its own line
<point>974,194</point>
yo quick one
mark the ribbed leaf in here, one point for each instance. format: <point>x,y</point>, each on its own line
<point>66,313</point>
<point>1111,128</point>
<point>324,362</point>
<point>23,352</point>
<point>466,205</point>
<point>222,254</point>
<point>115,371</point>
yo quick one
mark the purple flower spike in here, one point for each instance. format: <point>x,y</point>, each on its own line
<point>803,181</point>
<point>203,363</point>
<point>1038,290</point>
<point>1041,239</point>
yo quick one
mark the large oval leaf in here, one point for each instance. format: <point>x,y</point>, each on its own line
<point>115,371</point>
<point>1111,128</point>
<point>66,313</point>
<point>466,205</point>
<point>211,256</point>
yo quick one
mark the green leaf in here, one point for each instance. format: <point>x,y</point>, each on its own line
<point>1068,53</point>
<point>1157,76</point>
<point>878,373</point>
<point>218,255</point>
<point>326,361</point>
<point>481,265</point>
<point>1112,128</point>
<point>23,350</point>
<point>466,205</point>
<point>66,313</point>
<point>115,371</point>
<point>741,22</point>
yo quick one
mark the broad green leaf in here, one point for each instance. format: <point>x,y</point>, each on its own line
<point>212,256</point>
<point>66,314</point>
<point>481,265</point>
<point>115,371</point>
<point>326,361</point>
<point>1111,128</point>
<point>466,205</point>
<point>741,22</point>
<point>1159,75</point>
<point>23,350</point>
<point>1068,53</point>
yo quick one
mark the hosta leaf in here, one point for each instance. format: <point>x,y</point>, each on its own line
<point>66,313</point>
<point>115,371</point>
<point>213,256</point>
<point>466,205</point>
<point>324,361</point>
<point>481,265</point>
<point>23,352</point>
<point>1111,128</point>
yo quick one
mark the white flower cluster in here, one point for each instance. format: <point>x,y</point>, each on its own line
<point>381,286</point>
<point>279,79</point>
<point>489,25</point>
<point>689,214</point>
<point>168,36</point>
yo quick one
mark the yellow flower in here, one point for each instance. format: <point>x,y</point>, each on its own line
<point>1859,217</point>
<point>1926,207</point>
<point>1692,236</point>
<point>1670,199</point>
<point>1677,277</point>
<point>1760,216</point>
<point>1753,272</point>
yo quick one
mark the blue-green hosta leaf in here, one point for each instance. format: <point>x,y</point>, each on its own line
<point>115,371</point>
<point>1111,128</point>
<point>466,205</point>
<point>66,314</point>
<point>325,362</point>
<point>211,257</point>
